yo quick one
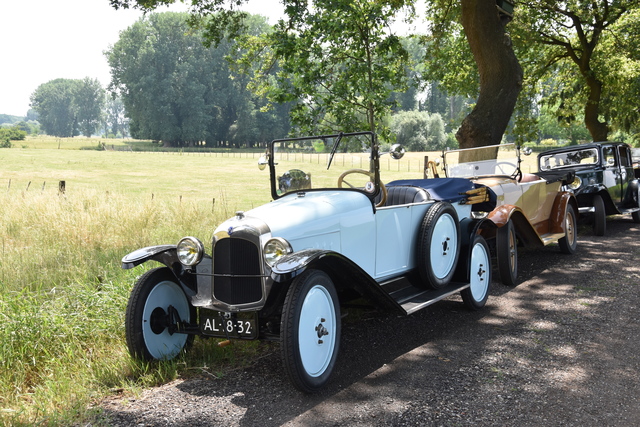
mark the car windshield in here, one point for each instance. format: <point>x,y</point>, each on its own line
<point>492,160</point>
<point>578,157</point>
<point>319,162</point>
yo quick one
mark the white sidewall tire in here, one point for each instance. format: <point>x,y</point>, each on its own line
<point>476,295</point>
<point>156,289</point>
<point>310,330</point>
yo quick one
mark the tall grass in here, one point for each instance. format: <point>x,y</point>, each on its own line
<point>63,295</point>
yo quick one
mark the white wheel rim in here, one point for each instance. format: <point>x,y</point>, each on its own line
<point>444,246</point>
<point>317,317</point>
<point>479,275</point>
<point>570,226</point>
<point>164,346</point>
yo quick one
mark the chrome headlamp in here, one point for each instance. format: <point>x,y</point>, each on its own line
<point>275,249</point>
<point>190,251</point>
<point>576,183</point>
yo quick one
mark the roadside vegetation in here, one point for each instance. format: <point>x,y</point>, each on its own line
<point>62,291</point>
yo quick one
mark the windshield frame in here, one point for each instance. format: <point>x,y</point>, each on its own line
<point>564,153</point>
<point>374,166</point>
<point>449,165</point>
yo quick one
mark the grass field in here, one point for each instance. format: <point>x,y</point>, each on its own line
<point>62,291</point>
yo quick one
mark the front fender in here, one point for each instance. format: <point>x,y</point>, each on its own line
<point>292,265</point>
<point>165,254</point>
<point>557,220</point>
<point>469,228</point>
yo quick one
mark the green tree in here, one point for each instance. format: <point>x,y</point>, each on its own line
<point>364,61</point>
<point>89,105</point>
<point>54,103</point>
<point>115,122</point>
<point>338,63</point>
<point>419,130</point>
<point>177,90</point>
<point>66,107</point>
<point>589,50</point>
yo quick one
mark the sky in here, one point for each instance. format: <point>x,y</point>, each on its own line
<point>43,40</point>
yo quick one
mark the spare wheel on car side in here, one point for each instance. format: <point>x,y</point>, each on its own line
<point>438,245</point>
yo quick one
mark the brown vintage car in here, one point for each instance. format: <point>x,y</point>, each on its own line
<point>525,209</point>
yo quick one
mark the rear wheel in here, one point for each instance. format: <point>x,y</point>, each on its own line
<point>156,307</point>
<point>507,252</point>
<point>439,245</point>
<point>569,242</point>
<point>636,215</point>
<point>599,216</point>
<point>310,330</point>
<point>476,295</point>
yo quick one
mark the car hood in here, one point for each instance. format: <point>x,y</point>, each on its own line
<point>303,217</point>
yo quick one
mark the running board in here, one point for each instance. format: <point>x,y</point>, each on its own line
<point>551,238</point>
<point>412,298</point>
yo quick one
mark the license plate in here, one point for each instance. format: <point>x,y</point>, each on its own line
<point>232,328</point>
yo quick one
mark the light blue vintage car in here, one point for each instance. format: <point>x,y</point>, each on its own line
<point>333,233</point>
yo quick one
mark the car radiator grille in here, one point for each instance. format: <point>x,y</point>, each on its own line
<point>233,261</point>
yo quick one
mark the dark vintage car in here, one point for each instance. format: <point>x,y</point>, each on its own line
<point>605,179</point>
<point>282,271</point>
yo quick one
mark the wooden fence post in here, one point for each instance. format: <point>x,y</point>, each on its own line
<point>62,187</point>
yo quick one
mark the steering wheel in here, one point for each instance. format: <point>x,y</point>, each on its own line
<point>383,189</point>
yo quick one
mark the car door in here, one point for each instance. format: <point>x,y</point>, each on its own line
<point>612,176</point>
<point>626,168</point>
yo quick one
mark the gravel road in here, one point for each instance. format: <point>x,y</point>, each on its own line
<point>560,349</point>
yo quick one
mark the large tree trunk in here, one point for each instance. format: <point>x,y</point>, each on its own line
<point>599,130</point>
<point>499,70</point>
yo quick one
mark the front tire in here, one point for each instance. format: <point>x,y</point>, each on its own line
<point>310,330</point>
<point>476,295</point>
<point>155,299</point>
<point>569,242</point>
<point>507,254</point>
<point>438,245</point>
<point>599,216</point>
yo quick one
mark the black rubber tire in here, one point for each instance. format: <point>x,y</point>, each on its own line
<point>636,215</point>
<point>145,338</point>
<point>310,307</point>
<point>599,216</point>
<point>436,248</point>
<point>476,295</point>
<point>569,242</point>
<point>507,254</point>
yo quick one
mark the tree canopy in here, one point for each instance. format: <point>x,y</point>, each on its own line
<point>341,62</point>
<point>178,91</point>
<point>590,49</point>
<point>68,107</point>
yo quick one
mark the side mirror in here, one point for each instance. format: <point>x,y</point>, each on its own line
<point>263,161</point>
<point>397,151</point>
